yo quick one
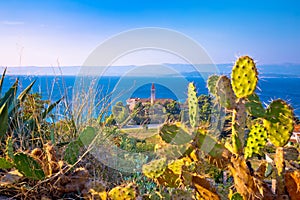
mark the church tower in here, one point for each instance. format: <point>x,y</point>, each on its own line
<point>152,94</point>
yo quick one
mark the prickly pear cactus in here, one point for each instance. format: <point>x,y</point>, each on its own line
<point>155,168</point>
<point>72,152</point>
<point>9,148</point>
<point>193,105</point>
<point>4,164</point>
<point>244,77</point>
<point>211,84</point>
<point>254,106</point>
<point>224,93</point>
<point>28,166</point>
<point>123,193</point>
<point>174,133</point>
<point>279,122</point>
<point>256,141</point>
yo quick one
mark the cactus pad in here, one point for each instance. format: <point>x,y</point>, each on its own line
<point>224,93</point>
<point>28,166</point>
<point>176,166</point>
<point>4,164</point>
<point>155,168</point>
<point>279,122</point>
<point>72,152</point>
<point>254,106</point>
<point>256,141</point>
<point>211,83</point>
<point>123,192</point>
<point>193,105</point>
<point>279,111</point>
<point>244,77</point>
<point>175,133</point>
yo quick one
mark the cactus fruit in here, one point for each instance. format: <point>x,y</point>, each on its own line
<point>244,77</point>
<point>193,105</point>
<point>256,141</point>
<point>28,166</point>
<point>211,84</point>
<point>279,122</point>
<point>254,106</point>
<point>123,192</point>
<point>155,168</point>
<point>224,93</point>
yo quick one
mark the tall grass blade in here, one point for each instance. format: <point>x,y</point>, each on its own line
<point>23,94</point>
<point>2,79</point>
<point>10,94</point>
<point>3,120</point>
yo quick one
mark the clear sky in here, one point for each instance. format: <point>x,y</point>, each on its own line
<point>48,32</point>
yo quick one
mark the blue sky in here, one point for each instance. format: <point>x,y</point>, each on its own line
<point>65,32</point>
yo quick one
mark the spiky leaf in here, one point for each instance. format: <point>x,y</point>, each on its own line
<point>3,120</point>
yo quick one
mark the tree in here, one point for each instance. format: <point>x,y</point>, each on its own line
<point>120,112</point>
<point>140,113</point>
<point>172,110</point>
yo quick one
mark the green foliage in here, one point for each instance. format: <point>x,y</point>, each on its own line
<point>5,164</point>
<point>140,113</point>
<point>9,148</point>
<point>87,136</point>
<point>175,134</point>
<point>244,77</point>
<point>28,166</point>
<point>236,196</point>
<point>172,110</point>
<point>72,152</point>
<point>3,120</point>
<point>205,108</point>
<point>254,106</point>
<point>120,112</point>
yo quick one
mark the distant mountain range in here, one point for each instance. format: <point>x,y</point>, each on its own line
<point>276,70</point>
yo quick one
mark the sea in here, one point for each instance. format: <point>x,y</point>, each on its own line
<point>271,86</point>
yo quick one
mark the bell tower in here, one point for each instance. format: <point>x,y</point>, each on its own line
<point>152,94</point>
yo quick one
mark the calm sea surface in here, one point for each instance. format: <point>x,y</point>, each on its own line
<point>286,88</point>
